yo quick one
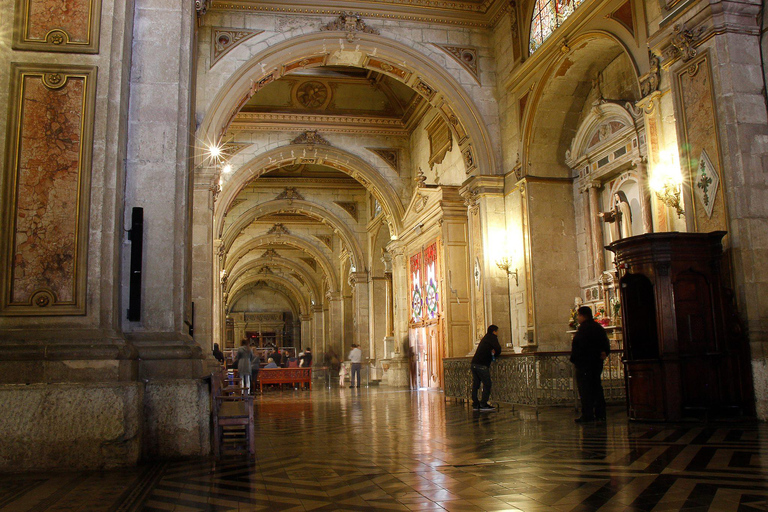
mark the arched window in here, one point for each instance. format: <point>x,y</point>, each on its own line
<point>547,16</point>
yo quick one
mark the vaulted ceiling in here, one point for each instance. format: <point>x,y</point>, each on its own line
<point>333,97</point>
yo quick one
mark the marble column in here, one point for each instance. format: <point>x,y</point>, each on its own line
<point>306,334</point>
<point>361,335</point>
<point>589,241</point>
<point>401,297</point>
<point>597,228</point>
<point>318,326</point>
<point>335,323</point>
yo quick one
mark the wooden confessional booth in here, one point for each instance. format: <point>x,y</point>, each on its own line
<point>685,354</point>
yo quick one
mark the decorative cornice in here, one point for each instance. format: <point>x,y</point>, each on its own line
<point>248,121</point>
<point>450,12</point>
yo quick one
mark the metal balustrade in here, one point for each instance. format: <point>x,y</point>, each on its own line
<point>537,379</point>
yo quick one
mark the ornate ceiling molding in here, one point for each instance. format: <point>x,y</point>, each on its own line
<point>312,138</point>
<point>468,13</point>
<point>349,207</point>
<point>350,23</point>
<point>290,193</point>
<point>464,55</point>
<point>223,40</point>
<point>390,155</point>
<point>326,239</point>
<point>278,229</point>
<point>252,121</point>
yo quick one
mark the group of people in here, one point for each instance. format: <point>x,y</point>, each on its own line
<point>590,347</point>
<point>248,362</point>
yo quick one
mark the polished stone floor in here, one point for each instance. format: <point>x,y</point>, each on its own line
<point>378,449</point>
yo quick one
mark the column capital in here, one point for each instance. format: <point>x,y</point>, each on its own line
<point>356,278</point>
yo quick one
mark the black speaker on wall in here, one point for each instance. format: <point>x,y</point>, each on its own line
<point>136,236</point>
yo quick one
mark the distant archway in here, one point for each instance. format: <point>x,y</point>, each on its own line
<point>308,208</point>
<point>338,159</point>
<point>291,240</point>
<point>370,51</point>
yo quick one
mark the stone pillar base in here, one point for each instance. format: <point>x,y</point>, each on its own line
<point>396,373</point>
<point>78,425</point>
<point>102,425</point>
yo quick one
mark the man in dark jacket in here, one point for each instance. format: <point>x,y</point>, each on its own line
<point>589,349</point>
<point>487,351</point>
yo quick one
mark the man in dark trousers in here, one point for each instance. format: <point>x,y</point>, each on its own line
<point>487,351</point>
<point>589,349</point>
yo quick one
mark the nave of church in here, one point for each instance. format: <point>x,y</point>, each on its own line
<point>327,452</point>
<point>190,188</point>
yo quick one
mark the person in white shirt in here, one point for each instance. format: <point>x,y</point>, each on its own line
<point>356,358</point>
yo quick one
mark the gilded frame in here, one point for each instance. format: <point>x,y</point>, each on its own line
<point>56,39</point>
<point>52,307</point>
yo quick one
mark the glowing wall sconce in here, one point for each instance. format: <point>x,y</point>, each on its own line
<point>667,181</point>
<point>505,263</point>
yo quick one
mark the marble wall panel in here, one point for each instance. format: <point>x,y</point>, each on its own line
<point>698,127</point>
<point>57,26</point>
<point>46,189</point>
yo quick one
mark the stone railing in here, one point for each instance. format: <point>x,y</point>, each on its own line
<point>537,379</point>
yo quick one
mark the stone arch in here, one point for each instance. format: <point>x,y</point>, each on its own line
<point>280,262</point>
<point>338,159</point>
<point>295,308</point>
<point>371,51</point>
<point>308,208</point>
<point>271,278</point>
<point>550,116</point>
<point>289,240</point>
<point>600,115</point>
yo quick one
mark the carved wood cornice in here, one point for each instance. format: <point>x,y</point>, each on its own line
<point>468,13</point>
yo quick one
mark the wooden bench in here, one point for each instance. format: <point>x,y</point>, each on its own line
<point>233,419</point>
<point>291,376</point>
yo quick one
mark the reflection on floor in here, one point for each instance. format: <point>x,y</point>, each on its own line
<point>396,450</point>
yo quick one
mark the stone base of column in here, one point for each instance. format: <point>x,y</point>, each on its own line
<point>91,403</point>
<point>78,425</point>
<point>395,372</point>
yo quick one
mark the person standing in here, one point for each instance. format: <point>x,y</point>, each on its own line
<point>218,354</point>
<point>305,361</point>
<point>487,350</point>
<point>276,357</point>
<point>243,365</point>
<point>356,360</point>
<point>589,349</point>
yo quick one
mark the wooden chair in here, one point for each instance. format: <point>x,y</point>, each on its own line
<point>233,420</point>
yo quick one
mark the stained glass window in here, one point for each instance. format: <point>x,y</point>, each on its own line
<point>547,16</point>
<point>417,302</point>
<point>432,296</point>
